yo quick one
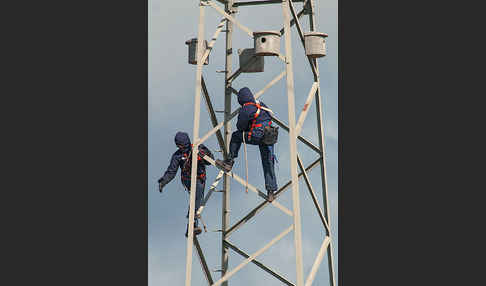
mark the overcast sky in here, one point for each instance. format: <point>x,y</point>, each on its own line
<point>171,107</point>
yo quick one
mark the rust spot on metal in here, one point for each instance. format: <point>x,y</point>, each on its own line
<point>305,107</point>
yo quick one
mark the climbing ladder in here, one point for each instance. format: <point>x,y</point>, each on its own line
<point>313,43</point>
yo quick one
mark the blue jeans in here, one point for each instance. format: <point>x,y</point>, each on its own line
<point>266,154</point>
<point>200,184</point>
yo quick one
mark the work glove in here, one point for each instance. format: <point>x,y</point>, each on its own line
<point>161,185</point>
<point>201,154</point>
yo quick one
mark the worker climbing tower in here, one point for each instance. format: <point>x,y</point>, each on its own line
<point>266,44</point>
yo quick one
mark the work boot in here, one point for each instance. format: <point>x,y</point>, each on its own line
<point>197,230</point>
<point>226,165</point>
<point>270,196</point>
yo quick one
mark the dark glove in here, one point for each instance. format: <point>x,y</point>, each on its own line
<point>161,185</point>
<point>201,154</point>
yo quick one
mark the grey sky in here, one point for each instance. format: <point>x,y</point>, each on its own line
<point>171,106</point>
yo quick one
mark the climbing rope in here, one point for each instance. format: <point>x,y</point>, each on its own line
<point>246,162</point>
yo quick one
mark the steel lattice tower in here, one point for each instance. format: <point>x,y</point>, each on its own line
<point>290,18</point>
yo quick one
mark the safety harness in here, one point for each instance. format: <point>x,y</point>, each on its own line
<point>257,113</point>
<point>185,168</point>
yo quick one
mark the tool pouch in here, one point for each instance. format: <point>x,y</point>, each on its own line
<point>270,135</point>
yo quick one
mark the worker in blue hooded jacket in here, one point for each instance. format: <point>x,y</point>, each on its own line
<point>182,159</point>
<point>252,119</point>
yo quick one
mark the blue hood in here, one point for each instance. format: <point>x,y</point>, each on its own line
<point>245,95</point>
<point>182,138</point>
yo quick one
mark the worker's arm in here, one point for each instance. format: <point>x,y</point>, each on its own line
<point>171,171</point>
<point>243,119</point>
<point>203,150</point>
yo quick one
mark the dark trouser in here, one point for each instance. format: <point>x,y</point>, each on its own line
<point>200,184</point>
<point>266,154</point>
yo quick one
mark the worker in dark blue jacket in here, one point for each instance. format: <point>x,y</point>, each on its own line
<point>182,159</point>
<point>252,119</point>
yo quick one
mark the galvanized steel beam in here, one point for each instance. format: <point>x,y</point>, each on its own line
<point>313,195</point>
<point>210,192</point>
<point>305,110</point>
<point>197,110</point>
<point>317,262</point>
<point>212,115</point>
<point>253,256</point>
<point>213,39</point>
<point>302,139</point>
<point>262,205</point>
<point>225,219</point>
<point>322,146</point>
<point>251,187</point>
<point>202,260</point>
<point>230,18</point>
<point>270,84</point>
<point>292,22</point>
<point>259,264</point>
<point>293,147</point>
<point>301,35</point>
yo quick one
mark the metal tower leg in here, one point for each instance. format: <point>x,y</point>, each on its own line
<point>320,129</point>
<point>195,138</point>
<point>227,138</point>
<point>293,145</point>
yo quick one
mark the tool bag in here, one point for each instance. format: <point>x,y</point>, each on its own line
<point>270,134</point>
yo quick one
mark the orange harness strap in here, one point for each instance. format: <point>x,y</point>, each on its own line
<point>186,155</point>
<point>253,124</point>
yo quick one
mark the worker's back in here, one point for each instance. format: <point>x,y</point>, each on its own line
<point>248,110</point>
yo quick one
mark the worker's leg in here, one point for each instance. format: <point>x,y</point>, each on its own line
<point>237,139</point>
<point>199,193</point>
<point>266,153</point>
<point>235,143</point>
<point>199,196</point>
